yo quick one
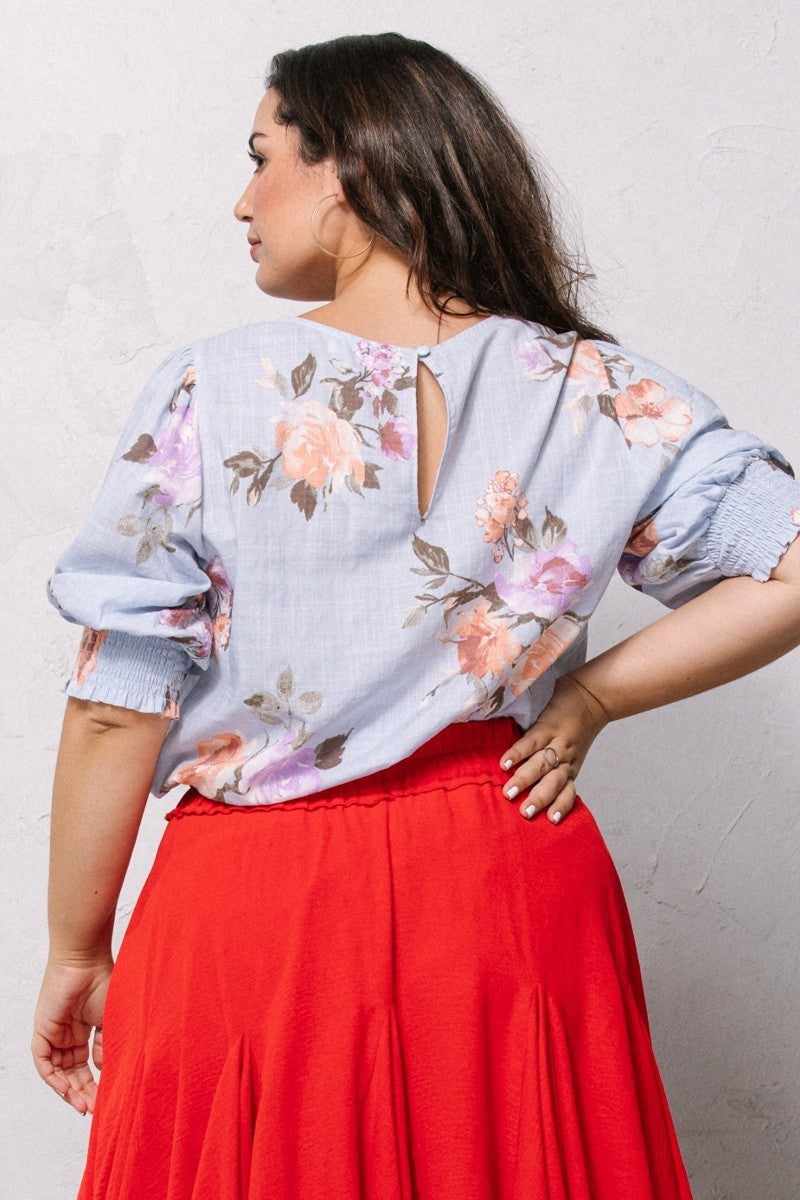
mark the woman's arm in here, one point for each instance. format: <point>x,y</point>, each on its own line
<point>734,628</point>
<point>105,764</point>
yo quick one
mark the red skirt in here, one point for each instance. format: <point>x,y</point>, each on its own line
<point>393,989</point>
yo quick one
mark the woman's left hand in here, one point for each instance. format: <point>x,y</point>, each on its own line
<point>568,724</point>
<point>71,1002</point>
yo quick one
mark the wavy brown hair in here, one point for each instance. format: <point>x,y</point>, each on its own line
<point>430,161</point>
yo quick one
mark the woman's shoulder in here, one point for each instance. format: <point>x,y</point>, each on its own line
<point>245,359</point>
<point>275,332</point>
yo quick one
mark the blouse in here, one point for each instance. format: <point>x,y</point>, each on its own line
<point>255,567</point>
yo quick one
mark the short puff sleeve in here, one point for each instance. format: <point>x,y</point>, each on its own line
<point>135,575</point>
<point>715,502</point>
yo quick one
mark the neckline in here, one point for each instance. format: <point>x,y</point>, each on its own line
<point>430,348</point>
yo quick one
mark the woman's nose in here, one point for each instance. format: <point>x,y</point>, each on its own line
<point>241,210</point>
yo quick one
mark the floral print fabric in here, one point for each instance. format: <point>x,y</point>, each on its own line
<point>255,566</point>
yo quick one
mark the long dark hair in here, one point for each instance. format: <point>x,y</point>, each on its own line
<point>430,161</point>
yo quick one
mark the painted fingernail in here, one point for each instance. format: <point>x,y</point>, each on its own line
<point>530,810</point>
<point>509,762</point>
<point>556,817</point>
<point>512,791</point>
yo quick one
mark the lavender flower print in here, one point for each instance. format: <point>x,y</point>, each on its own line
<point>172,479</point>
<point>539,354</point>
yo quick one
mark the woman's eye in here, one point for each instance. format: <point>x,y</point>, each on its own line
<point>257,159</point>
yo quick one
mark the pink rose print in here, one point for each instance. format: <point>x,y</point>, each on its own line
<point>382,369</point>
<point>587,370</point>
<point>501,508</point>
<point>544,581</point>
<point>317,446</point>
<point>196,632</point>
<point>215,766</point>
<point>650,415</point>
<point>485,643</point>
<point>322,447</point>
<point>171,707</point>
<point>88,651</point>
<point>547,648</point>
<point>397,438</point>
<point>220,604</point>
<point>482,618</point>
<point>646,412</point>
<point>644,537</point>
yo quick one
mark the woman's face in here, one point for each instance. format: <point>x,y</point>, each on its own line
<point>277,205</point>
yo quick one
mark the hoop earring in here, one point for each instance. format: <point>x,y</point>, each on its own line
<point>319,243</point>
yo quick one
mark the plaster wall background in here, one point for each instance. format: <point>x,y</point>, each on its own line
<point>671,136</point>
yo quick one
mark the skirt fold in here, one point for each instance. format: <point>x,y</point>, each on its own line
<point>399,989</point>
<point>386,1152</point>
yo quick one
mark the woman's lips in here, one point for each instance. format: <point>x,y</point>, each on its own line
<point>253,248</point>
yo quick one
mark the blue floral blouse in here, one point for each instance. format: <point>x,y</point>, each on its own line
<point>255,565</point>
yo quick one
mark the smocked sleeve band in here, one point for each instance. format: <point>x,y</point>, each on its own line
<point>755,521</point>
<point>147,674</point>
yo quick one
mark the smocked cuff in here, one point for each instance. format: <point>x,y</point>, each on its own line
<point>756,519</point>
<point>148,674</point>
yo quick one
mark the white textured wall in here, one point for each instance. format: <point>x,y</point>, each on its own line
<point>672,135</point>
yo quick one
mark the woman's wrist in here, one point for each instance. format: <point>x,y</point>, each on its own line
<point>595,702</point>
<point>81,951</point>
<point>64,959</point>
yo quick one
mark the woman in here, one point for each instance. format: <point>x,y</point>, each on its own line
<point>337,579</point>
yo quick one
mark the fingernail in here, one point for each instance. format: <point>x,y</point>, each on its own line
<point>512,791</point>
<point>530,810</point>
<point>556,817</point>
<point>509,762</point>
